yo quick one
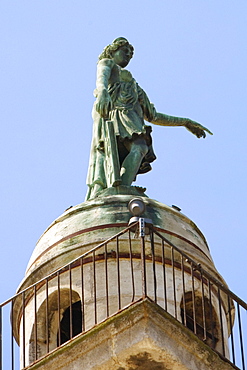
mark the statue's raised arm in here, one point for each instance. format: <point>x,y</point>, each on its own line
<point>193,126</point>
<point>122,143</point>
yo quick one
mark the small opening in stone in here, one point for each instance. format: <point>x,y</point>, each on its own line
<point>66,325</point>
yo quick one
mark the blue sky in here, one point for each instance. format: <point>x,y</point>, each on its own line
<point>190,57</point>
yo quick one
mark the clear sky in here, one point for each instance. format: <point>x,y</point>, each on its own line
<point>190,57</point>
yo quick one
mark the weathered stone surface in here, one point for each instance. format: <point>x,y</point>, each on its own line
<point>142,336</point>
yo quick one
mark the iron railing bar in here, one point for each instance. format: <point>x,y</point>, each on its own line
<point>106,282</point>
<point>221,322</point>
<point>95,289</point>
<point>183,284</point>
<point>47,315</point>
<point>118,275</point>
<point>70,304</point>
<point>23,330</point>
<point>241,337</point>
<point>154,268</point>
<point>203,310</point>
<point>35,324</point>
<point>132,269</point>
<point>211,312</point>
<point>174,282</point>
<point>12,338</point>
<point>231,330</point>
<point>143,262</point>
<point>164,273</point>
<point>193,297</point>
<point>58,309</point>
<point>82,296</point>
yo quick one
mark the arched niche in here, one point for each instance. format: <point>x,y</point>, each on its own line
<point>51,319</point>
<point>199,315</point>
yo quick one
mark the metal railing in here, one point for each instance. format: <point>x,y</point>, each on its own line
<point>117,273</point>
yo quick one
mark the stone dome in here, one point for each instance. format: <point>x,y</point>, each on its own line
<point>82,227</point>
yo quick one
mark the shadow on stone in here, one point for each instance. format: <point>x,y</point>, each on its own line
<point>144,361</point>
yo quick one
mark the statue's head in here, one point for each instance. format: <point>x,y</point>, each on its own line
<point>111,49</point>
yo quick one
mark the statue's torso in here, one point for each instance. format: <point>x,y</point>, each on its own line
<point>123,90</point>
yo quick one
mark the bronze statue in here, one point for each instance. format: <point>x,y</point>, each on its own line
<point>122,144</point>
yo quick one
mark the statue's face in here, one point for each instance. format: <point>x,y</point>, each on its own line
<point>122,56</point>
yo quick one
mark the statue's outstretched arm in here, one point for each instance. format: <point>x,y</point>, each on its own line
<point>194,127</point>
<point>103,103</point>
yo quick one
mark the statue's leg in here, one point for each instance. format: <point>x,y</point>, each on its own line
<point>130,166</point>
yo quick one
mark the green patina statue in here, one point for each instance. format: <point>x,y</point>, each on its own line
<point>122,144</point>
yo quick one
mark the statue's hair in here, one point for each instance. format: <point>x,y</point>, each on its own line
<point>114,46</point>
